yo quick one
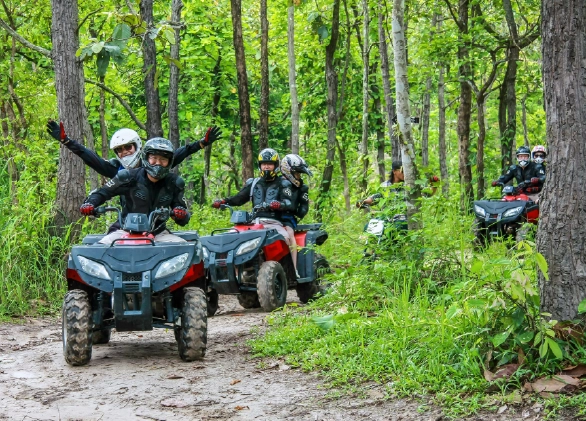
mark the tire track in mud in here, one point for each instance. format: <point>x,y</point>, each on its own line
<point>139,376</point>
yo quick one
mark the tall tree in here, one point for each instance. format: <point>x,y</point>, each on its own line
<point>365,93</point>
<point>292,77</point>
<point>263,127</point>
<point>173,107</point>
<point>243,97</point>
<point>562,225</point>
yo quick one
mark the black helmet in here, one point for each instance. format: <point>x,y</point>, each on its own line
<point>291,164</point>
<point>523,150</point>
<point>268,156</point>
<point>157,146</point>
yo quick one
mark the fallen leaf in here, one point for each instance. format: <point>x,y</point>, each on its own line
<point>521,356</point>
<point>140,336</point>
<point>173,403</point>
<point>233,382</point>
<point>556,384</point>
<point>240,408</point>
<point>237,315</point>
<point>174,376</point>
<point>502,409</point>
<point>504,372</point>
<point>575,371</point>
<point>284,367</point>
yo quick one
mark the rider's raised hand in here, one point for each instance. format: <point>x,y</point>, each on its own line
<point>217,203</point>
<point>57,131</point>
<point>275,205</point>
<point>214,133</point>
<point>179,213</point>
<point>87,209</point>
<point>496,183</point>
<point>534,181</point>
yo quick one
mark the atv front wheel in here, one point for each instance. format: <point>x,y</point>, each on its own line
<point>248,299</point>
<point>308,290</point>
<point>101,336</point>
<point>194,325</point>
<point>271,286</point>
<point>213,302</point>
<point>76,328</point>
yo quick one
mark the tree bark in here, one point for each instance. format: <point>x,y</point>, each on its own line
<point>332,102</point>
<point>425,123</point>
<point>70,103</point>
<point>524,120</point>
<point>154,126</point>
<point>365,94</point>
<point>404,113</point>
<point>344,171</point>
<point>379,124</point>
<point>441,105</point>
<point>263,126</point>
<point>292,78</point>
<point>508,108</point>
<point>173,105</point>
<point>243,98</point>
<point>389,106</point>
<point>562,225</point>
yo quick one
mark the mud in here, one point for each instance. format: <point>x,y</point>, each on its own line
<point>139,376</point>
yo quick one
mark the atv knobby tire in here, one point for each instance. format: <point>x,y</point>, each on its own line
<point>76,328</point>
<point>308,290</point>
<point>271,286</point>
<point>194,325</point>
<point>101,336</point>
<point>248,299</point>
<point>213,302</point>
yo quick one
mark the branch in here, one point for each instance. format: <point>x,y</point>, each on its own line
<point>487,26</point>
<point>456,20</point>
<point>121,100</point>
<point>16,36</point>
<point>129,5</point>
<point>86,18</point>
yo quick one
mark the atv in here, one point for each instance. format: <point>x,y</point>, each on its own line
<point>505,216</point>
<point>135,284</point>
<point>254,262</point>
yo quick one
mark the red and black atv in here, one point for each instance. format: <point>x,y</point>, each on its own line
<point>254,262</point>
<point>135,284</point>
<point>505,216</point>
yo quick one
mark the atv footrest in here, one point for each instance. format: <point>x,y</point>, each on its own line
<point>132,302</point>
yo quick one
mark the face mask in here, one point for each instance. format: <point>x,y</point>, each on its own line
<point>130,161</point>
<point>539,160</point>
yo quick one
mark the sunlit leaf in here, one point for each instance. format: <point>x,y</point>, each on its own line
<point>555,348</point>
<point>324,322</point>
<point>542,265</point>
<point>499,339</point>
<point>582,306</point>
<point>525,337</point>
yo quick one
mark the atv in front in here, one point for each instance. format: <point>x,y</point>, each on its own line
<point>135,284</point>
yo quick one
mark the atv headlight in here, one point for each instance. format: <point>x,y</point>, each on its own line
<point>479,211</point>
<point>93,268</point>
<point>206,253</point>
<point>171,266</point>
<point>513,212</point>
<point>248,246</point>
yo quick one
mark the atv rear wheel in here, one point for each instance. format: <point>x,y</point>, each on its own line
<point>101,336</point>
<point>194,325</point>
<point>271,286</point>
<point>308,290</point>
<point>213,302</point>
<point>76,328</point>
<point>248,299</point>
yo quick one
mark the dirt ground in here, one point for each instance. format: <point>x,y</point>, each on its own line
<point>139,376</point>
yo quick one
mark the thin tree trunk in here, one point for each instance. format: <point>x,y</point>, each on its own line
<point>524,120</point>
<point>441,102</point>
<point>379,123</point>
<point>365,94</point>
<point>425,123</point>
<point>508,108</point>
<point>243,98</point>
<point>70,103</point>
<point>480,147</point>
<point>292,78</point>
<point>151,91</point>
<point>562,223</point>
<point>263,127</point>
<point>344,170</point>
<point>173,105</point>
<point>103,125</point>
<point>404,113</point>
<point>91,144</point>
<point>389,106</point>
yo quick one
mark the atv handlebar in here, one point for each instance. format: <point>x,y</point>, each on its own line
<point>102,210</point>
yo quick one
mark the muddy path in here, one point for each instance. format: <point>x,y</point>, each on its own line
<point>139,376</point>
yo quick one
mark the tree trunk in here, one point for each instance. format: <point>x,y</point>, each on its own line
<point>103,125</point>
<point>404,113</point>
<point>344,171</point>
<point>389,106</point>
<point>524,120</point>
<point>379,122</point>
<point>562,225</point>
<point>508,108</point>
<point>243,98</point>
<point>263,126</point>
<point>480,101</point>
<point>441,105</point>
<point>154,125</point>
<point>173,105</point>
<point>425,123</point>
<point>292,78</point>
<point>365,95</point>
<point>332,102</point>
<point>91,144</point>
<point>69,84</point>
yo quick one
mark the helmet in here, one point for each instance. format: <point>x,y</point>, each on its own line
<point>157,146</point>
<point>126,137</point>
<point>523,150</point>
<point>542,151</point>
<point>291,164</point>
<point>270,156</point>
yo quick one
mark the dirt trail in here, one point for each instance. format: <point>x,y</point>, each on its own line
<point>139,376</point>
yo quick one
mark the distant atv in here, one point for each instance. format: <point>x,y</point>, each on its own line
<point>504,217</point>
<point>254,262</point>
<point>135,284</point>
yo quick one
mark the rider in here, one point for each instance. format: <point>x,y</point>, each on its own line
<point>269,193</point>
<point>539,154</point>
<point>292,166</point>
<point>530,175</point>
<point>126,144</point>
<point>146,188</point>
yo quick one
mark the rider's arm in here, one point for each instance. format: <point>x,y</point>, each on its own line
<point>242,196</point>
<point>115,187</point>
<point>184,151</point>
<point>302,201</point>
<point>288,203</point>
<point>92,160</point>
<point>508,176</point>
<point>179,200</point>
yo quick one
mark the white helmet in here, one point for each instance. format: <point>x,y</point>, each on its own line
<point>125,137</point>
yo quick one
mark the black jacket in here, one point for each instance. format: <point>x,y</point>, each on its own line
<point>263,193</point>
<point>524,175</point>
<point>300,201</point>
<point>142,195</point>
<point>110,168</point>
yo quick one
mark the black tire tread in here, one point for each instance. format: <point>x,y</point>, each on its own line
<point>248,299</point>
<point>267,295</point>
<point>101,336</point>
<point>194,325</point>
<point>76,313</point>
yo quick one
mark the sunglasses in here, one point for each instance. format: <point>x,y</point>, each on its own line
<point>538,155</point>
<point>123,148</point>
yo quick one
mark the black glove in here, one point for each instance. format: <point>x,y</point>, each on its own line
<point>214,133</point>
<point>57,131</point>
<point>534,181</point>
<point>521,186</point>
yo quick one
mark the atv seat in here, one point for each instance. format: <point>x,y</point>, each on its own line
<point>187,235</point>
<point>308,227</point>
<point>92,238</point>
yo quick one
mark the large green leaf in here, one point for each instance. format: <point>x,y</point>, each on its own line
<point>542,265</point>
<point>499,339</point>
<point>102,62</point>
